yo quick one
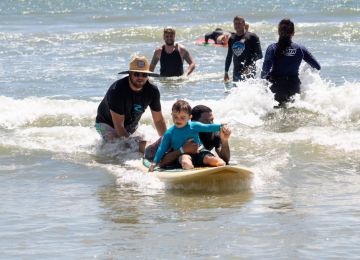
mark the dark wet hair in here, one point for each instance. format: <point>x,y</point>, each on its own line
<point>218,29</point>
<point>181,105</point>
<point>286,30</point>
<point>198,110</point>
<point>239,18</point>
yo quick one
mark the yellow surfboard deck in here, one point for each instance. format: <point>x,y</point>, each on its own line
<point>226,173</point>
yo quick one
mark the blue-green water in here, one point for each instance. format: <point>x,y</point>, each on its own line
<point>66,196</point>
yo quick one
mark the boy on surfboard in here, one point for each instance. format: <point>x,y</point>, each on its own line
<point>182,130</point>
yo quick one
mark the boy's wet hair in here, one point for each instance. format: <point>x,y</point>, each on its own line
<point>181,105</point>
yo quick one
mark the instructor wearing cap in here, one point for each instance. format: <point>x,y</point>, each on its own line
<point>126,100</point>
<point>172,56</point>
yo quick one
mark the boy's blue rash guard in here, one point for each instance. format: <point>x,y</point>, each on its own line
<point>289,63</point>
<point>175,137</point>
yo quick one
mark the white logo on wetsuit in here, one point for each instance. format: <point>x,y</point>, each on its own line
<point>238,48</point>
<point>290,52</point>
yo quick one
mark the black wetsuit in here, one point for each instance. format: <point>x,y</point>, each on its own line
<point>244,50</point>
<point>283,72</point>
<point>213,35</point>
<point>121,99</point>
<point>171,64</point>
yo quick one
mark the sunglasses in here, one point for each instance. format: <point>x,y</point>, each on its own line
<point>140,74</point>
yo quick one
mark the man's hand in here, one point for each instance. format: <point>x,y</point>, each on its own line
<point>190,147</point>
<point>226,77</point>
<point>225,132</point>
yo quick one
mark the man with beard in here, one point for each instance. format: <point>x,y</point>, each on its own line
<point>172,56</point>
<point>244,49</point>
<point>218,140</point>
<point>126,100</point>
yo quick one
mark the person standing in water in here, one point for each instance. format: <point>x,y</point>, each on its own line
<point>172,56</point>
<point>244,49</point>
<point>282,62</point>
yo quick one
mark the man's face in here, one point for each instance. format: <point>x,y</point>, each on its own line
<point>169,38</point>
<point>138,80</point>
<point>180,119</point>
<point>206,118</point>
<point>239,26</point>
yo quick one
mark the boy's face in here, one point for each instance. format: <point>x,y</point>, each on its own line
<point>180,119</point>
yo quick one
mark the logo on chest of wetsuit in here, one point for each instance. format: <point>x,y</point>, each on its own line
<point>290,52</point>
<point>238,48</point>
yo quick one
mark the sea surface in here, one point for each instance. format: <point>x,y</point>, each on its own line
<point>66,195</point>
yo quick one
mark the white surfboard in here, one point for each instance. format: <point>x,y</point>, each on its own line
<point>221,174</point>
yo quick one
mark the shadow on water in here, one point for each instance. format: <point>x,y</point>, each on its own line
<point>124,205</point>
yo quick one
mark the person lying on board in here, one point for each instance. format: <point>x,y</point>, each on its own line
<point>217,140</point>
<point>219,36</point>
<point>182,130</point>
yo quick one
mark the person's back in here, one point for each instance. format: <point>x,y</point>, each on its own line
<point>288,64</point>
<point>282,62</point>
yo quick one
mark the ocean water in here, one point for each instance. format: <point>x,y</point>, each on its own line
<point>65,195</point>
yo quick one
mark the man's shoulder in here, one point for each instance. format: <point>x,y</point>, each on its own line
<point>151,90</point>
<point>151,86</point>
<point>180,47</point>
<point>297,45</point>
<point>119,84</point>
<point>159,48</point>
<point>251,35</point>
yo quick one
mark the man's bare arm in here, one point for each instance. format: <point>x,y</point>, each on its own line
<point>189,59</point>
<point>170,158</point>
<point>118,121</point>
<point>159,122</point>
<point>155,59</point>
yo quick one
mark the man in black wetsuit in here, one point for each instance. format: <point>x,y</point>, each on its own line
<point>244,49</point>
<point>126,100</point>
<point>172,56</point>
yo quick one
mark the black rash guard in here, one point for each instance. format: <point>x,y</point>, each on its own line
<point>171,64</point>
<point>244,50</point>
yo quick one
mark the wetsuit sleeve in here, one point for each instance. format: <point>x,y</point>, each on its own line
<point>229,56</point>
<point>256,53</point>
<point>268,62</point>
<point>164,146</point>
<point>257,49</point>
<point>309,58</point>
<point>200,127</point>
<point>155,104</point>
